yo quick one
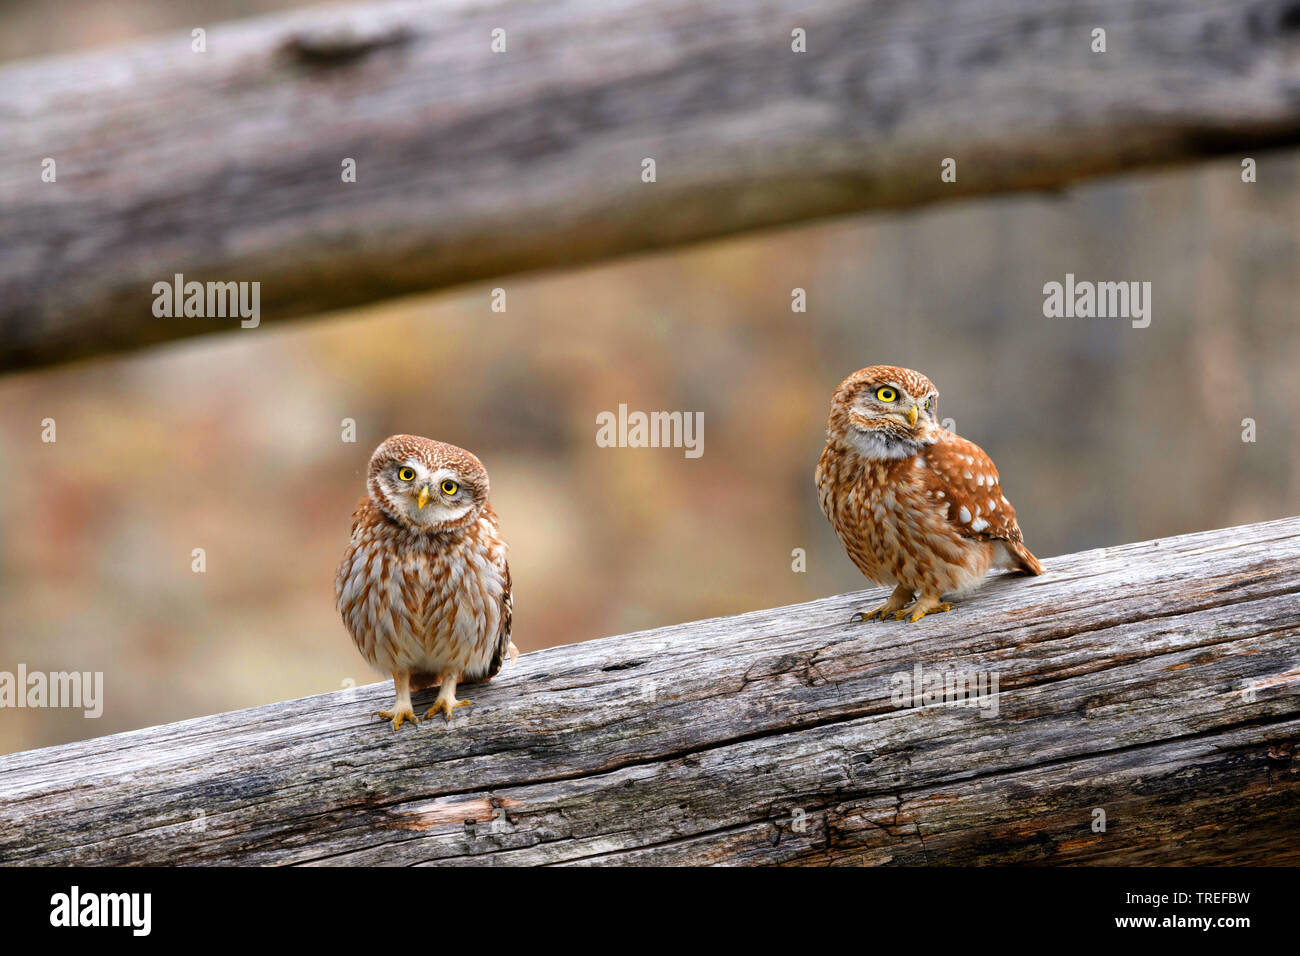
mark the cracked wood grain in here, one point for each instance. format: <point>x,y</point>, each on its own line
<point>225,166</point>
<point>1158,682</point>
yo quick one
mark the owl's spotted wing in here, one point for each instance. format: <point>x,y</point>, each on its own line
<point>961,476</point>
<point>503,636</point>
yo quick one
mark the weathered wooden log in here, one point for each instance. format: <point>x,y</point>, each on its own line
<point>1154,688</point>
<point>227,165</point>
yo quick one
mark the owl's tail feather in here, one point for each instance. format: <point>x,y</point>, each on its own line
<point>1025,560</point>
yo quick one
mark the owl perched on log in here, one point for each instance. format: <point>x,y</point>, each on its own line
<point>914,505</point>
<point>423,587</point>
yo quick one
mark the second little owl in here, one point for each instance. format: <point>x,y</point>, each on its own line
<point>914,505</point>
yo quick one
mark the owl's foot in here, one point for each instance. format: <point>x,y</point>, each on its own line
<point>897,600</point>
<point>922,607</point>
<point>512,652</point>
<point>401,712</point>
<point>879,614</point>
<point>403,715</point>
<point>445,705</point>
<point>446,701</point>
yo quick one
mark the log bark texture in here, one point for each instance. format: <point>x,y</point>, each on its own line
<point>226,165</point>
<point>1158,683</point>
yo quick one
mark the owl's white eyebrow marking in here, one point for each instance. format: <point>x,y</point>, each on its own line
<point>442,473</point>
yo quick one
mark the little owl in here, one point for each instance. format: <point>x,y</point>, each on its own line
<point>423,587</point>
<point>914,505</point>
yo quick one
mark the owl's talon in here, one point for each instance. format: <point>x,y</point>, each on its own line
<point>402,716</point>
<point>443,705</point>
<point>921,612</point>
<point>897,599</point>
<point>879,614</point>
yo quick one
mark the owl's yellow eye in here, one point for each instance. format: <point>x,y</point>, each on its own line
<point>886,394</point>
<point>449,487</point>
<point>406,474</point>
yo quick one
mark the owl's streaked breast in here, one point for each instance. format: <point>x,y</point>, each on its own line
<point>423,602</point>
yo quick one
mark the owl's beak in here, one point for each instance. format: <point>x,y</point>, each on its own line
<point>424,497</point>
<point>911,415</point>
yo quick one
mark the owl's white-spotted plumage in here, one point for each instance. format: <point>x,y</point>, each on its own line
<point>914,505</point>
<point>424,586</point>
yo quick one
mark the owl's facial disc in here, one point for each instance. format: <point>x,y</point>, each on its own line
<point>428,498</point>
<point>887,422</point>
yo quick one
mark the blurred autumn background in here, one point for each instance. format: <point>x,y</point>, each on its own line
<point>1104,433</point>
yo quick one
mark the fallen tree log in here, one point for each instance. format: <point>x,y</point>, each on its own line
<point>1153,688</point>
<point>226,165</point>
